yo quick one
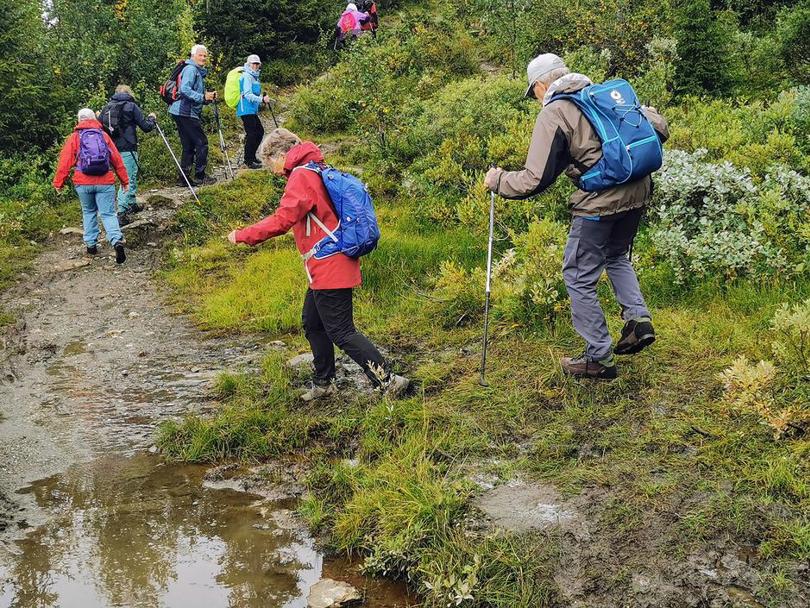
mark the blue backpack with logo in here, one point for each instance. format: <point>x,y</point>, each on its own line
<point>357,232</point>
<point>631,149</point>
<point>94,155</point>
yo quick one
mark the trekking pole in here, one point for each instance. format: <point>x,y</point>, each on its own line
<point>176,162</point>
<point>482,381</point>
<point>270,107</point>
<point>228,169</point>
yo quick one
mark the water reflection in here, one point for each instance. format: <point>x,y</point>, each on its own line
<point>136,532</point>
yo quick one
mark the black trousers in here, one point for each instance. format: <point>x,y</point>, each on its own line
<point>194,142</point>
<point>328,321</point>
<point>254,133</point>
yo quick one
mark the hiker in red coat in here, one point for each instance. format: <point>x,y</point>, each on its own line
<point>369,7</point>
<point>94,155</point>
<point>327,314</point>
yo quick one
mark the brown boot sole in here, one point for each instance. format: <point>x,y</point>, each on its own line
<point>635,347</point>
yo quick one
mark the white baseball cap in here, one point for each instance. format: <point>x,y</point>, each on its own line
<point>254,59</point>
<point>539,67</point>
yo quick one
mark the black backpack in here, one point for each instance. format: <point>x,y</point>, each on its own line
<point>111,117</point>
<point>170,90</point>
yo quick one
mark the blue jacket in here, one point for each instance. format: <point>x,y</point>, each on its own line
<point>251,93</point>
<point>191,96</point>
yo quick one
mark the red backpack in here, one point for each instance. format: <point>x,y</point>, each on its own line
<point>170,90</point>
<point>347,23</point>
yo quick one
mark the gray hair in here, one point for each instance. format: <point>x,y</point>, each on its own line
<point>197,48</point>
<point>553,75</point>
<point>123,88</point>
<point>279,141</point>
<point>86,114</point>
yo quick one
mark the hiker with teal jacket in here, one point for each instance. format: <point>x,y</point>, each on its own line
<point>187,111</point>
<point>250,99</point>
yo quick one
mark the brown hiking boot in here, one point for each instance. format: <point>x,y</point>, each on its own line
<point>582,367</point>
<point>637,334</point>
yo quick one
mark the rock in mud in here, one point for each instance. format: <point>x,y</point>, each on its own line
<point>72,230</point>
<point>522,507</point>
<point>327,593</point>
<point>69,265</point>
<point>301,360</point>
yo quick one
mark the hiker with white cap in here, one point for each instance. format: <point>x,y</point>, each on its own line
<point>350,25</point>
<point>613,177</point>
<point>250,99</point>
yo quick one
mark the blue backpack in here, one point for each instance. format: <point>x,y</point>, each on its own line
<point>357,232</point>
<point>631,149</point>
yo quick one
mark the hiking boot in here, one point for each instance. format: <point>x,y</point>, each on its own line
<point>637,334</point>
<point>395,386</point>
<point>92,250</point>
<point>120,254</point>
<point>254,164</point>
<point>319,391</point>
<point>125,218</point>
<point>182,182</point>
<point>134,208</point>
<point>205,180</point>
<point>582,367</point>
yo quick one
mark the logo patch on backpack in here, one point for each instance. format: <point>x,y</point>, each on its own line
<point>94,155</point>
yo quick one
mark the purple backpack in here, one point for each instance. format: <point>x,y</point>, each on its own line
<point>94,154</point>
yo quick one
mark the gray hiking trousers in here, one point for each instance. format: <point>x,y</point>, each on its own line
<point>594,245</point>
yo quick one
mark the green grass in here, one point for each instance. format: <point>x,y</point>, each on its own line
<point>669,458</point>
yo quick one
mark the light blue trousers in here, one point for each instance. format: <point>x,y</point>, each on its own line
<point>99,200</point>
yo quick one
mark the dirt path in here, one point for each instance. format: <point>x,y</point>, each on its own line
<point>96,361</point>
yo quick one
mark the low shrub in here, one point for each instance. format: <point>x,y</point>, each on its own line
<point>776,393</point>
<point>713,220</point>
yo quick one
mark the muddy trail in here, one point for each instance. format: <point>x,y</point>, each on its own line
<point>89,515</point>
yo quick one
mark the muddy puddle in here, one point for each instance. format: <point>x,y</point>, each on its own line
<point>135,531</point>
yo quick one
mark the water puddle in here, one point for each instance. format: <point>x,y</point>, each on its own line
<point>134,531</point>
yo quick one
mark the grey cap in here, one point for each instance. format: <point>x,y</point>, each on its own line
<point>539,67</point>
<point>86,114</point>
<point>254,59</point>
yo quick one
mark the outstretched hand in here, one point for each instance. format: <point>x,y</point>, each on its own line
<point>232,237</point>
<point>491,179</point>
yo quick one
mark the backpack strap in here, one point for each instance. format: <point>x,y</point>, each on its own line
<point>313,166</point>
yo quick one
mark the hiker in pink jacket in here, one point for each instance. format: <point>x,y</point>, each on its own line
<point>350,25</point>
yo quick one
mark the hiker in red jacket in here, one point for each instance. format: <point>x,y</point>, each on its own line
<point>327,314</point>
<point>94,155</point>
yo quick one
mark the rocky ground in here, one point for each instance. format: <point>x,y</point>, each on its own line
<point>95,360</point>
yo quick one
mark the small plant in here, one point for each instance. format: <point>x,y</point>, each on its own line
<point>776,394</point>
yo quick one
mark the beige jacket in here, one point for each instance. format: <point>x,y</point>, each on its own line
<point>563,140</point>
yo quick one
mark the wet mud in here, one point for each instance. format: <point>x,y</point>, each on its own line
<point>88,516</point>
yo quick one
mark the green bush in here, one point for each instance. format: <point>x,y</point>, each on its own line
<point>713,220</point>
<point>703,48</point>
<point>793,33</point>
<point>754,135</point>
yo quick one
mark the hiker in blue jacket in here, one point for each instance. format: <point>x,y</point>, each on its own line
<point>186,112</point>
<point>247,109</point>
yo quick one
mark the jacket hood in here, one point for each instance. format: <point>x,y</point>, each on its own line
<point>87,124</point>
<point>301,154</point>
<point>253,73</point>
<point>570,83</point>
<point>122,97</point>
<point>203,71</point>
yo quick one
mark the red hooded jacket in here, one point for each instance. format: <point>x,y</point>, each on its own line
<point>304,194</point>
<point>68,157</point>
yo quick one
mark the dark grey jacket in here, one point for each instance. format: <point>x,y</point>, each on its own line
<point>125,135</point>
